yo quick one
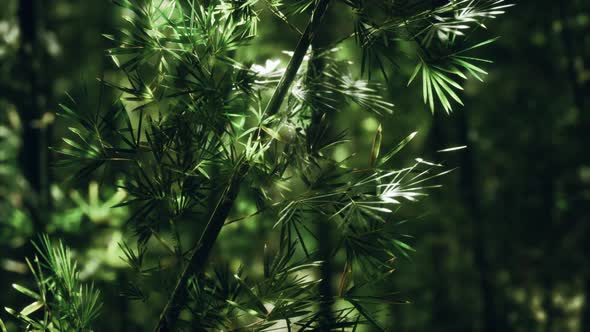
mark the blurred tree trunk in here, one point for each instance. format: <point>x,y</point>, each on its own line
<point>548,305</point>
<point>585,324</point>
<point>34,153</point>
<point>548,204</point>
<point>568,39</point>
<point>472,201</point>
<point>442,309</point>
<point>580,91</point>
<point>325,247</point>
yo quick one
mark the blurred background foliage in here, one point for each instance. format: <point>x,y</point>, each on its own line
<point>503,246</point>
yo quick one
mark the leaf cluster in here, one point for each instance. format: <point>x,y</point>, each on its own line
<point>193,128</point>
<point>61,302</point>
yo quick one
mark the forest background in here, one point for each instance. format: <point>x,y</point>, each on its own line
<point>503,246</point>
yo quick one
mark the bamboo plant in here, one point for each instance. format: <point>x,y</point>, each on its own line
<point>197,125</point>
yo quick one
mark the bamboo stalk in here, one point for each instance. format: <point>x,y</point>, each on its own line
<point>199,256</point>
<point>287,79</point>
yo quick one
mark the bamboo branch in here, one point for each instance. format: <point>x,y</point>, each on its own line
<point>199,256</point>
<point>289,76</point>
<point>197,260</point>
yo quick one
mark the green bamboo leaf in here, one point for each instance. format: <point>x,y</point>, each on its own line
<point>403,245</point>
<point>478,45</point>
<point>473,58</point>
<point>453,148</point>
<point>26,291</point>
<point>448,80</point>
<point>451,69</point>
<point>32,308</point>
<point>428,82</point>
<point>468,65</point>
<point>272,133</point>
<point>73,144</point>
<point>2,326</point>
<point>257,302</point>
<point>471,68</point>
<point>367,315</point>
<point>424,84</point>
<point>440,79</point>
<point>415,73</point>
<point>397,149</point>
<point>441,96</point>
<point>376,146</point>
